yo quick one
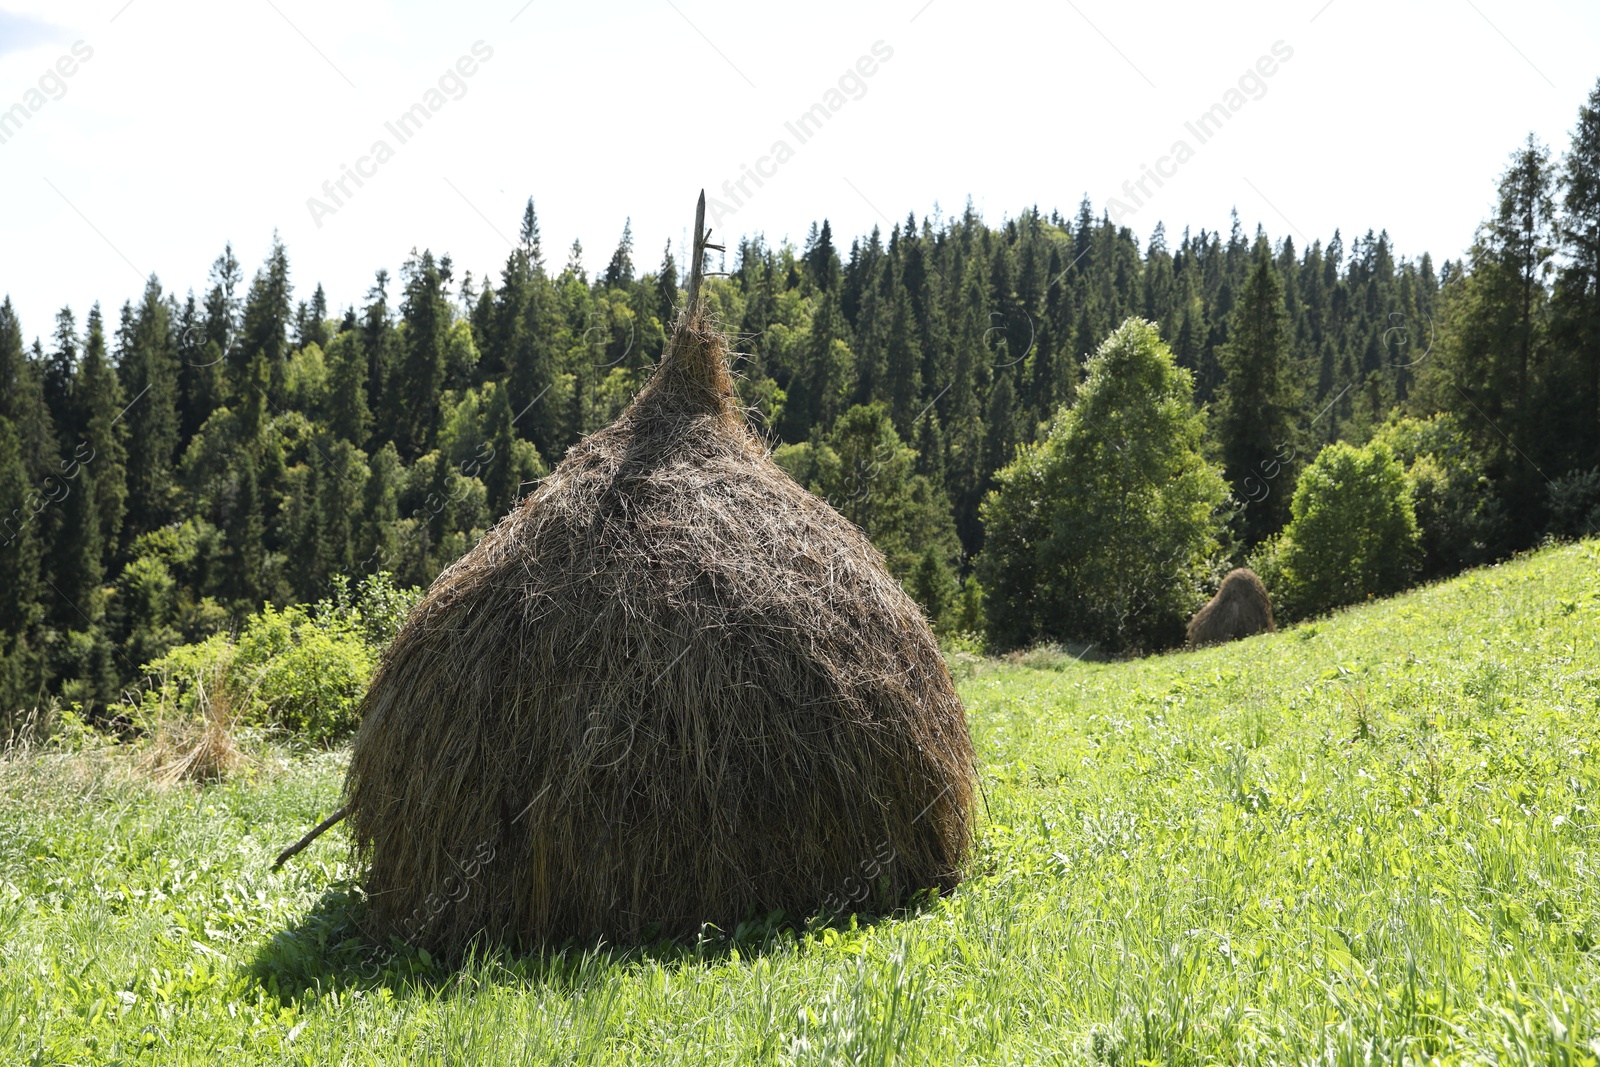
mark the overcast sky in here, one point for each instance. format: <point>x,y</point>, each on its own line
<point>192,124</point>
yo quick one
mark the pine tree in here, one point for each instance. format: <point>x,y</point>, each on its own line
<point>513,465</point>
<point>149,364</point>
<point>904,362</point>
<point>379,544</point>
<point>620,270</point>
<point>1493,334</point>
<point>1000,423</point>
<point>531,245</point>
<point>932,584</point>
<point>667,287</point>
<point>341,491</point>
<point>1578,287</point>
<point>827,372</point>
<point>256,364</point>
<point>420,375</point>
<point>203,349</point>
<point>59,370</point>
<point>309,575</point>
<point>822,259</point>
<point>311,321</point>
<point>22,399</point>
<point>524,336</point>
<point>378,342</point>
<point>99,407</point>
<point>349,417</point>
<point>1256,424</point>
<point>866,472</point>
<point>244,578</point>
<point>963,412</point>
<point>20,583</point>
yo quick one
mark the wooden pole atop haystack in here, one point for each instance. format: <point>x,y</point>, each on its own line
<point>697,262</point>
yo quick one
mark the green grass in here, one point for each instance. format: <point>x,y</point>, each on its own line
<point>1370,838</point>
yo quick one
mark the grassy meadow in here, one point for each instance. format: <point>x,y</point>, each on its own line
<point>1368,838</point>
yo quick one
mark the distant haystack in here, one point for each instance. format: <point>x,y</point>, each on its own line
<point>1240,608</point>
<point>671,688</point>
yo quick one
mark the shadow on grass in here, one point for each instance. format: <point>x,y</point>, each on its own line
<point>326,951</point>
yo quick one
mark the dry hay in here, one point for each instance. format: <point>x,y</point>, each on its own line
<point>1240,608</point>
<point>671,688</point>
<point>196,745</point>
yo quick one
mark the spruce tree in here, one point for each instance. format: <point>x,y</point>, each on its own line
<point>667,287</point>
<point>620,270</point>
<point>257,363</point>
<point>98,406</point>
<point>20,581</point>
<point>531,245</point>
<point>311,321</point>
<point>904,362</point>
<point>244,578</point>
<point>59,370</point>
<point>378,342</point>
<point>822,259</point>
<point>149,365</point>
<point>341,491</point>
<point>420,374</point>
<point>349,417</point>
<point>1578,286</point>
<point>1259,400</point>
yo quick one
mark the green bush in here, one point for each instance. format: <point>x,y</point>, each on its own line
<point>1575,504</point>
<point>1460,520</point>
<point>296,671</point>
<point>1352,533</point>
<point>1108,531</point>
<point>302,674</point>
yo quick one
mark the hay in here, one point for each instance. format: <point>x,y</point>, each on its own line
<point>671,688</point>
<point>1240,608</point>
<point>197,745</point>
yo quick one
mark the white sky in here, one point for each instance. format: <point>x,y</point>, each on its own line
<point>196,123</point>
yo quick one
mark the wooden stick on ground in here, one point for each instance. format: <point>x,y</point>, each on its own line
<point>316,832</point>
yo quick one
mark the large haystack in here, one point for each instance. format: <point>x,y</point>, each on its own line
<point>1240,608</point>
<point>671,688</point>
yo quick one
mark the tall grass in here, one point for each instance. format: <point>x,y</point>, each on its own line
<point>1368,839</point>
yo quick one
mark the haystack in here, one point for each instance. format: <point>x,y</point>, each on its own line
<point>1240,608</point>
<point>671,688</point>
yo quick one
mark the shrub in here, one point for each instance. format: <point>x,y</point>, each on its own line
<point>1108,531</point>
<point>1460,521</point>
<point>292,670</point>
<point>305,675</point>
<point>1352,533</point>
<point>1575,504</point>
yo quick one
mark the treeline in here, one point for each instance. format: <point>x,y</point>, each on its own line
<point>165,474</point>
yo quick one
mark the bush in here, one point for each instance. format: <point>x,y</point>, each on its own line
<point>1352,533</point>
<point>294,671</point>
<point>1575,504</point>
<point>302,674</point>
<point>1460,520</point>
<point>1108,531</point>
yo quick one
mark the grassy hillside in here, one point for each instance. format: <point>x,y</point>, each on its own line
<point>1366,838</point>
